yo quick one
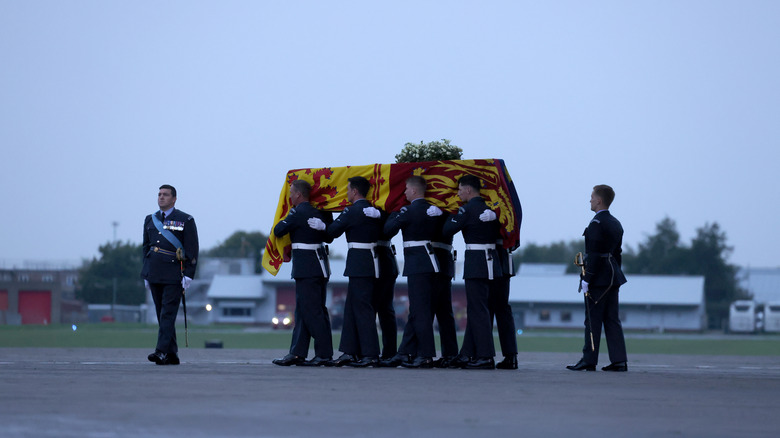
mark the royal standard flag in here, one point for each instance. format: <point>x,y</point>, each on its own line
<point>388,182</point>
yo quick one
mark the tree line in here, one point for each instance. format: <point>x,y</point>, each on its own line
<point>662,253</point>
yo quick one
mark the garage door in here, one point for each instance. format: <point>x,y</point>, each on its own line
<point>35,306</point>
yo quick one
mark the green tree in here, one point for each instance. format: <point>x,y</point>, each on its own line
<point>242,244</point>
<point>707,255</point>
<point>433,151</point>
<point>118,262</point>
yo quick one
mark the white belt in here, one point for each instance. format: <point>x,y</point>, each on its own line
<point>429,250</point>
<point>487,247</point>
<point>314,247</point>
<point>372,247</point>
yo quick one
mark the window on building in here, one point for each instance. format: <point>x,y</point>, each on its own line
<point>237,311</point>
<point>565,316</point>
<point>24,278</point>
<point>544,315</point>
<point>47,278</point>
<point>70,280</point>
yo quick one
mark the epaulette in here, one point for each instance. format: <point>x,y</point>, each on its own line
<point>596,221</point>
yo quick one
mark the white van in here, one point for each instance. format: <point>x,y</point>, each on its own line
<point>742,316</point>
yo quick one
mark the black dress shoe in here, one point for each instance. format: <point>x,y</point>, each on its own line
<point>419,362</point>
<point>617,366</point>
<point>344,359</point>
<point>288,360</point>
<point>317,362</point>
<point>395,361</point>
<point>509,363</point>
<point>153,357</point>
<point>368,361</point>
<point>172,359</point>
<point>443,362</point>
<point>459,362</point>
<point>160,358</point>
<point>482,363</point>
<point>581,366</point>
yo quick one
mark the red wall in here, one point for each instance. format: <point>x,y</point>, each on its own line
<point>3,300</point>
<point>35,306</point>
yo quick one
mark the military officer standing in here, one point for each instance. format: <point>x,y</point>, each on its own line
<point>481,265</point>
<point>601,284</point>
<point>359,340</point>
<point>311,272</point>
<point>170,255</point>
<point>420,268</point>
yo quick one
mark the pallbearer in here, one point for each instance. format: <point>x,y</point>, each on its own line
<point>311,272</point>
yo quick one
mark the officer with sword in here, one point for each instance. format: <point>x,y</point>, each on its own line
<point>600,280</point>
<point>170,255</point>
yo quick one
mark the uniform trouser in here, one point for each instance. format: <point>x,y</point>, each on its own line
<point>166,303</point>
<point>442,309</point>
<point>358,336</point>
<point>500,308</point>
<point>478,339</point>
<point>604,312</point>
<point>311,318</point>
<point>383,305</point>
<point>418,332</point>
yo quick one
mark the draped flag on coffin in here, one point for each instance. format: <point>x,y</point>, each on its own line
<point>388,182</point>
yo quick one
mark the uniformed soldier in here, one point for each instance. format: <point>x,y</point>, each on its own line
<point>384,292</point>
<point>601,284</point>
<point>420,268</point>
<point>481,264</point>
<point>442,296</point>
<point>170,254</point>
<point>500,308</point>
<point>311,272</point>
<point>359,340</point>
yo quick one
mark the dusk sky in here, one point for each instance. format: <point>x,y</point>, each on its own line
<point>676,104</point>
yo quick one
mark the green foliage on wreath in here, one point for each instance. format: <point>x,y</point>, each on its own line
<point>433,151</point>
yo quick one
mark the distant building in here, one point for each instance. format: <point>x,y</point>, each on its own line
<point>541,296</point>
<point>39,294</point>
<point>762,283</point>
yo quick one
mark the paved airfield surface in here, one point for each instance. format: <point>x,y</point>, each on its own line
<point>51,392</point>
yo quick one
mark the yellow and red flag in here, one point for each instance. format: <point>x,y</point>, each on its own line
<point>388,182</point>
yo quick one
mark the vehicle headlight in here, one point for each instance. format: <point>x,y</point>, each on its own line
<point>275,320</point>
<point>286,321</point>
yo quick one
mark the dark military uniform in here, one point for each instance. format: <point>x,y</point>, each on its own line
<point>420,268</point>
<point>164,272</point>
<point>384,292</point>
<point>311,271</point>
<point>499,303</point>
<point>603,273</point>
<point>442,296</point>
<point>481,264</point>
<point>358,335</point>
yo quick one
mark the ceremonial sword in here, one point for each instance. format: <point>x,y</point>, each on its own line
<point>180,256</point>
<point>580,261</point>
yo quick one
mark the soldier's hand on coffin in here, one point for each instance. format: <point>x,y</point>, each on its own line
<point>487,215</point>
<point>433,211</point>
<point>371,212</point>
<point>316,223</point>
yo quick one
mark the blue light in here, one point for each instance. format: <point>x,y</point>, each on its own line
<point>519,331</point>
<point>74,327</point>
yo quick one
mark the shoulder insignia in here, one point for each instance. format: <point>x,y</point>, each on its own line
<point>403,210</point>
<point>461,210</point>
<point>596,221</point>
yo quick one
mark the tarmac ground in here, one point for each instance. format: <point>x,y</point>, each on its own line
<point>89,392</point>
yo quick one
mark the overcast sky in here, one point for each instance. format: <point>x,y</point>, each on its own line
<point>676,104</point>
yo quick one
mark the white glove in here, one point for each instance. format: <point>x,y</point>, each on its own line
<point>487,215</point>
<point>185,282</point>
<point>584,286</point>
<point>371,212</point>
<point>146,285</point>
<point>316,223</point>
<point>433,211</point>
